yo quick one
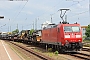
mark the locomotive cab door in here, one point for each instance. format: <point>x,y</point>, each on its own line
<point>58,36</point>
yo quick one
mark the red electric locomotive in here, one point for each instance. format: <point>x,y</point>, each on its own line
<point>66,36</point>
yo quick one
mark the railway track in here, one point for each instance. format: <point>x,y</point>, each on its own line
<point>30,51</point>
<point>86,49</point>
<point>79,55</point>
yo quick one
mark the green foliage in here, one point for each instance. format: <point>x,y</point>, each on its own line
<point>88,31</point>
<point>87,45</point>
<point>56,52</point>
<point>50,54</point>
<point>15,31</point>
<point>86,41</point>
<point>31,31</point>
<point>50,49</point>
<point>84,36</point>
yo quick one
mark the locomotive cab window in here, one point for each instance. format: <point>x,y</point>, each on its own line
<point>71,28</point>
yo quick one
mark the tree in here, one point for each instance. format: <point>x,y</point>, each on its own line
<point>87,33</point>
<point>31,31</point>
<point>15,31</point>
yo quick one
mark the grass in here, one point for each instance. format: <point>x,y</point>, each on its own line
<point>55,55</point>
<point>87,45</point>
<point>56,52</point>
<point>86,41</point>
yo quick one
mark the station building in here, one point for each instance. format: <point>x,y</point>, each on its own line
<point>83,30</point>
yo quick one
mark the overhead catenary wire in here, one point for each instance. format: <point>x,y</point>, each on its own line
<point>79,13</point>
<point>57,11</point>
<point>19,13</point>
<point>48,9</point>
<point>68,7</point>
<point>54,7</point>
<point>76,3</point>
<point>44,13</point>
<point>8,22</point>
<point>21,10</point>
<point>9,19</point>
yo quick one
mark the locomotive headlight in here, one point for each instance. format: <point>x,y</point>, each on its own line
<point>78,36</point>
<point>79,40</point>
<point>67,42</point>
<point>67,36</point>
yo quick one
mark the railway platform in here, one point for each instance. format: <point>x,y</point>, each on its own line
<point>6,53</point>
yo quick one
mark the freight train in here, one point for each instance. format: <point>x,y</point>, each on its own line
<point>62,36</point>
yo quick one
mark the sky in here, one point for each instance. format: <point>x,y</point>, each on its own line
<point>24,15</point>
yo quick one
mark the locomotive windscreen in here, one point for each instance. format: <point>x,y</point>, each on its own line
<point>71,28</point>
